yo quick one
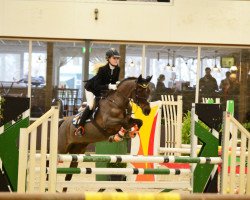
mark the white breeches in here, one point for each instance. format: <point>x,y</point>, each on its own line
<point>90,97</point>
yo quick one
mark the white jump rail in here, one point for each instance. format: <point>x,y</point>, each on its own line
<point>238,133</point>
<point>94,186</point>
<point>26,183</point>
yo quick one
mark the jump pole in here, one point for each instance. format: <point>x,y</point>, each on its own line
<point>137,159</point>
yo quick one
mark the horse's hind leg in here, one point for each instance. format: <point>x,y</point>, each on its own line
<point>74,149</point>
<point>68,177</point>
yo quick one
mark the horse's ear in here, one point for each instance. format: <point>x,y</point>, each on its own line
<point>148,79</point>
<point>139,79</point>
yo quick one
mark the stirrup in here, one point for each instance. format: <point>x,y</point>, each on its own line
<point>79,131</point>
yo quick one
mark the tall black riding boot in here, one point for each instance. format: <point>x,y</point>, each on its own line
<point>85,115</point>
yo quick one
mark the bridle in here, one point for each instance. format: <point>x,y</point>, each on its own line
<point>137,97</point>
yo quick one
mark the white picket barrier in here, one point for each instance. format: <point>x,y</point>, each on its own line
<point>26,183</point>
<point>238,133</point>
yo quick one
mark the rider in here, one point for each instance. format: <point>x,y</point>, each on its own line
<point>105,79</point>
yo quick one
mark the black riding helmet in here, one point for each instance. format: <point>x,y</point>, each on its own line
<point>112,52</point>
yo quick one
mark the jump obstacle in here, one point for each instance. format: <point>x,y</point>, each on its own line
<point>32,159</point>
<point>53,169</point>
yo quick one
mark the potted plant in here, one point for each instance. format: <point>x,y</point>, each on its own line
<point>186,125</point>
<point>186,128</point>
<point>117,177</point>
<point>247,126</point>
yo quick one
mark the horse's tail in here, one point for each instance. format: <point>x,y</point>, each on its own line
<point>58,102</point>
<point>60,122</point>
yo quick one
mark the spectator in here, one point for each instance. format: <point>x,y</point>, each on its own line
<point>160,86</point>
<point>208,83</point>
<point>161,89</point>
<point>234,87</point>
<point>225,83</point>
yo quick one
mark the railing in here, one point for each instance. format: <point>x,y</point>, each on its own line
<point>240,137</point>
<point>172,113</point>
<point>26,183</point>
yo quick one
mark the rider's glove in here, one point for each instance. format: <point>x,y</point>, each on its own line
<point>112,86</point>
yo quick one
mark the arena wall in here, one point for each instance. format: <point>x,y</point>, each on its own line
<point>184,21</point>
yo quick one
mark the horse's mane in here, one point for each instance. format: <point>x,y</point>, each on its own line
<point>109,92</point>
<point>127,79</point>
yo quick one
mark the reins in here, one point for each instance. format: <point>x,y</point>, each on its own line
<point>104,129</point>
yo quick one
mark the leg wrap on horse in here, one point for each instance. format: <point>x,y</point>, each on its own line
<point>134,131</point>
<point>118,137</point>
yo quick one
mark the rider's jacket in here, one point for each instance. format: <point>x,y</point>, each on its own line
<point>99,83</point>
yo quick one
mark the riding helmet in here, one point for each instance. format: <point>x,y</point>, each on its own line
<point>112,52</point>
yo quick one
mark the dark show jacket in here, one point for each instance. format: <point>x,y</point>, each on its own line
<point>208,84</point>
<point>102,79</point>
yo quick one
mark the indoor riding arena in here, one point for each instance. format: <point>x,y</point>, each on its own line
<point>124,99</point>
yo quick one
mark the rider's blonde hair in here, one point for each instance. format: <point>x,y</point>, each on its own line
<point>97,66</point>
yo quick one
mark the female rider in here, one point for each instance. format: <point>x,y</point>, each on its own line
<point>104,80</point>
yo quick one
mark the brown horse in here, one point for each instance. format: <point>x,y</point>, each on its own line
<point>113,112</point>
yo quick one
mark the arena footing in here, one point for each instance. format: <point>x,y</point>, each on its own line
<point>118,195</point>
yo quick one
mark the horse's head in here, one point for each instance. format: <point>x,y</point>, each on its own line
<point>138,90</point>
<point>141,94</point>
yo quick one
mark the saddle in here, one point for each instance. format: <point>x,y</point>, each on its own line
<point>78,116</point>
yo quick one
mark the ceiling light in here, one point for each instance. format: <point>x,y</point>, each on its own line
<point>39,59</point>
<point>173,66</point>
<point>132,64</point>
<point>215,68</point>
<point>168,67</point>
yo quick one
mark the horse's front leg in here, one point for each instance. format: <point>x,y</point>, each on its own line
<point>130,128</point>
<point>135,125</point>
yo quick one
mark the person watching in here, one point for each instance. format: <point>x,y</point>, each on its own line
<point>208,83</point>
<point>225,83</point>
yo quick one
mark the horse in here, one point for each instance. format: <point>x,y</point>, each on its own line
<point>113,112</point>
